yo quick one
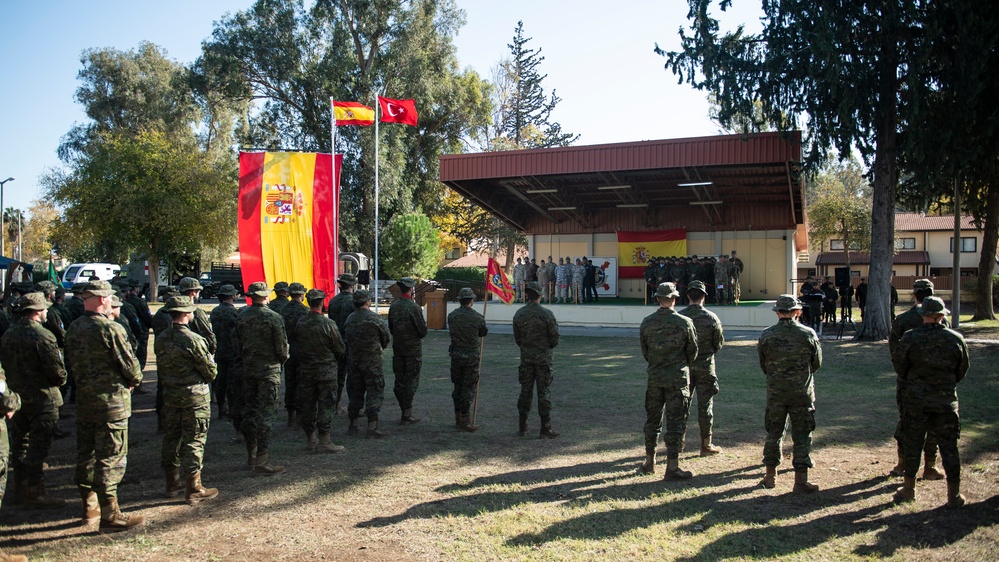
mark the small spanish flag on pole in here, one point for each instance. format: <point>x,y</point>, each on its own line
<point>496,282</point>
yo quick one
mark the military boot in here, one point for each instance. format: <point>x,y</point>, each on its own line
<point>324,445</point>
<point>899,468</point>
<point>523,424</point>
<point>907,492</point>
<point>352,429</point>
<point>708,449</point>
<point>35,497</point>
<point>311,442</point>
<point>546,430</point>
<point>373,431</point>
<point>954,496</point>
<point>195,492</point>
<point>251,455</point>
<point>466,424</point>
<point>674,472</point>
<point>650,464</point>
<point>801,483</point>
<point>770,479</point>
<point>174,487</point>
<point>264,467</point>
<point>91,509</point>
<point>112,519</point>
<point>407,417</point>
<point>930,471</point>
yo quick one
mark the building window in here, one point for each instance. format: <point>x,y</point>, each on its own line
<point>968,245</point>
<point>905,243</point>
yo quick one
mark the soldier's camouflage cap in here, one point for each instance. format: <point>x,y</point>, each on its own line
<point>407,282</point>
<point>466,293</point>
<point>697,286</point>
<point>296,289</point>
<point>227,290</point>
<point>361,296</point>
<point>32,301</point>
<point>97,288</point>
<point>786,303</point>
<point>535,287</point>
<point>182,303</point>
<point>347,279</point>
<point>189,284</point>
<point>933,305</point>
<point>922,285</point>
<point>667,290</point>
<point>315,294</point>
<point>281,286</point>
<point>258,289</point>
<point>45,286</point>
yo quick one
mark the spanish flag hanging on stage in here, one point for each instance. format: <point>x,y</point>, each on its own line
<point>635,249</point>
<point>288,218</point>
<point>497,283</point>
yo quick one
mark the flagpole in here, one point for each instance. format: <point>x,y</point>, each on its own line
<point>377,110</point>
<point>482,341</point>
<point>336,207</point>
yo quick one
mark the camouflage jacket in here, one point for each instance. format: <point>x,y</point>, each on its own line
<point>367,335</point>
<point>904,322</point>
<point>291,314</point>
<point>790,354</point>
<point>223,319</point>
<point>536,332</point>
<point>930,360</point>
<point>105,368</point>
<point>466,326</point>
<point>406,324</point>
<point>185,368</point>
<point>320,348</point>
<point>710,336</point>
<point>263,343</point>
<point>340,307</point>
<point>278,303</point>
<point>142,310</point>
<point>669,344</point>
<point>34,366</point>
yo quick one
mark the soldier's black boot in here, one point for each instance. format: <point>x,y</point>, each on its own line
<point>523,424</point>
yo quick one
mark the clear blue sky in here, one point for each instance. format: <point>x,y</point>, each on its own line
<point>599,60</point>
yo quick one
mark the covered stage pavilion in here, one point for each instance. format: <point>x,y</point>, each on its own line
<point>729,192</point>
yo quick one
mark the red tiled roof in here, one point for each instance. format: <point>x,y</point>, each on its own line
<point>912,222</point>
<point>905,257</point>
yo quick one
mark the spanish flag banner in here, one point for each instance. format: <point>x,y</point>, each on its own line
<point>497,283</point>
<point>635,249</point>
<point>352,113</point>
<point>287,218</point>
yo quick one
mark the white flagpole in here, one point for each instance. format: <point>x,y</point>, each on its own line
<point>377,110</point>
<point>334,195</point>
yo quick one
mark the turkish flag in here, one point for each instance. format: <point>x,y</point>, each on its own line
<point>398,111</point>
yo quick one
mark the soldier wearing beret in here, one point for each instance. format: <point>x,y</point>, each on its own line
<point>408,328</point>
<point>263,345</point>
<point>106,370</point>
<point>319,352</point>
<point>536,332</point>
<point>281,297</point>
<point>367,335</point>
<point>187,369</point>
<point>467,328</point>
<point>35,371</point>
<point>669,345</point>
<point>227,361</point>
<point>339,308</point>
<point>291,313</point>
<point>703,380</point>
<point>790,355</point>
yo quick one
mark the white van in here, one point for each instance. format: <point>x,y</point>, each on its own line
<point>82,272</point>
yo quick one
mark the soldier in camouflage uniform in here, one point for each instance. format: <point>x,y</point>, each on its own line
<point>98,353</point>
<point>723,286</point>
<point>227,360</point>
<point>35,371</point>
<point>902,323</point>
<point>339,308</point>
<point>263,345</point>
<point>145,318</point>
<point>790,355</point>
<point>367,335</point>
<point>519,274</point>
<point>467,328</point>
<point>319,351</point>
<point>735,274</point>
<point>536,333</point>
<point>408,328</point>
<point>281,297</point>
<point>187,369</point>
<point>669,345</point>
<point>930,360</point>
<point>291,313</point>
<point>703,380</point>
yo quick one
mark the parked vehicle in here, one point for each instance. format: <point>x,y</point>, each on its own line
<point>82,272</point>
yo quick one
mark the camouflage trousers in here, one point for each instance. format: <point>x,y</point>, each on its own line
<point>101,456</point>
<point>235,390</point>
<point>316,403</point>
<point>673,403</point>
<point>220,386</point>
<point>540,376</point>
<point>365,388</point>
<point>185,432</point>
<point>464,376</point>
<point>260,402</point>
<point>802,419</point>
<point>290,384</point>
<point>31,436</point>
<point>4,455</point>
<point>704,382</point>
<point>930,447</point>
<point>407,378</point>
<point>946,424</point>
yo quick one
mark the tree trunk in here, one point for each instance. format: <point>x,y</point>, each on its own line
<point>986,264</point>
